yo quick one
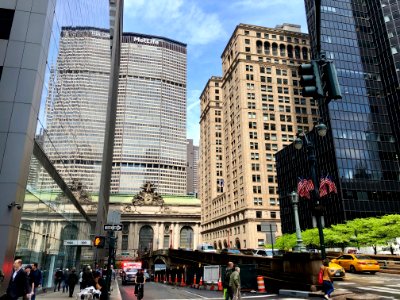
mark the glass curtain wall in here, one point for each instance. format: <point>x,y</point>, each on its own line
<point>49,217</point>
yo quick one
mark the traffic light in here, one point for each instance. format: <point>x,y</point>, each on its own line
<point>332,87</point>
<point>310,80</point>
<point>99,241</point>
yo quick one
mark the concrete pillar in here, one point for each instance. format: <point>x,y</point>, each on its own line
<point>177,235</point>
<point>23,58</point>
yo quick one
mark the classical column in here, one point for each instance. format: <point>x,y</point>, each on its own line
<point>176,236</point>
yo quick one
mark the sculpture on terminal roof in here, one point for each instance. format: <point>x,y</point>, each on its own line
<point>148,196</point>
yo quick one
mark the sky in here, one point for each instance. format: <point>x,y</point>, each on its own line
<point>206,26</point>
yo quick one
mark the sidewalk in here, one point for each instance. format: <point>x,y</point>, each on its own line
<point>115,294</point>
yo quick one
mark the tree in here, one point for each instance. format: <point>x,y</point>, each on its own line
<point>286,242</point>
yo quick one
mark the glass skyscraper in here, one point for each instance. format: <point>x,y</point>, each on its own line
<point>150,134</point>
<point>359,152</point>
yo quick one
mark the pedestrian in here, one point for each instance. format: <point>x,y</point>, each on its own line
<point>81,278</point>
<point>100,285</point>
<point>234,283</point>
<point>87,278</point>
<point>72,281</point>
<point>228,292</point>
<point>65,280</point>
<point>327,285</point>
<point>18,285</point>
<point>28,271</point>
<point>58,279</point>
<point>113,273</point>
<point>37,279</point>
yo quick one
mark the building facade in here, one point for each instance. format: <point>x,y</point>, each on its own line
<point>249,114</point>
<point>32,226</point>
<point>192,154</point>
<point>359,151</point>
<point>150,136</point>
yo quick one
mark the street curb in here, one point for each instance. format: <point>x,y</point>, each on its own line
<point>115,294</point>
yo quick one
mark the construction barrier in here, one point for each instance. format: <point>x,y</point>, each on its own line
<point>260,284</point>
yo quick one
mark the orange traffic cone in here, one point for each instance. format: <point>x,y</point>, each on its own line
<point>201,281</point>
<point>194,281</point>
<point>170,279</point>
<point>176,279</point>
<point>182,281</point>
<point>165,278</point>
<point>219,284</point>
<point>156,278</point>
<point>212,286</point>
<point>260,283</point>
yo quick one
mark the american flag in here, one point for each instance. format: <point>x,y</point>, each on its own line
<point>304,187</point>
<point>326,186</point>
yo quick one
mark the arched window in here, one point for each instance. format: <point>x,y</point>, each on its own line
<point>297,52</point>
<point>215,245</point>
<point>186,237</point>
<point>266,48</point>
<point>282,49</point>
<point>24,236</point>
<point>225,244</point>
<point>305,53</point>
<point>259,47</point>
<point>290,51</point>
<point>145,238</point>
<point>275,49</point>
<point>219,244</point>
<point>237,243</point>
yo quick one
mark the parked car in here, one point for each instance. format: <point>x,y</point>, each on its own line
<point>230,251</point>
<point>357,263</point>
<point>206,248</point>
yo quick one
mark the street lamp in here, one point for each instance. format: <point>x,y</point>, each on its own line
<point>312,160</point>
<point>295,201</point>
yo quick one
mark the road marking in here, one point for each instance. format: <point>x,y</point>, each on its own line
<point>344,283</point>
<point>201,297</point>
<point>380,289</point>
<point>243,297</point>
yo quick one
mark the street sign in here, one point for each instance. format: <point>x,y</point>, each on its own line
<point>159,267</point>
<point>110,227</point>
<point>114,217</point>
<point>268,227</point>
<point>78,243</point>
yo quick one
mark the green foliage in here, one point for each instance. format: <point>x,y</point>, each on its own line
<point>286,242</point>
<point>357,232</point>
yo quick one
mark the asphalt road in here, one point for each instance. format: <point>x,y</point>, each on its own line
<point>387,286</point>
<point>158,291</point>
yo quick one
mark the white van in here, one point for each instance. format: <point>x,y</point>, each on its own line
<point>206,248</point>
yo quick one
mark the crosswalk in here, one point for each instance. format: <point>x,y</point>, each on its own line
<point>388,291</point>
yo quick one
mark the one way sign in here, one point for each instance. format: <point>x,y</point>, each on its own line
<point>109,227</point>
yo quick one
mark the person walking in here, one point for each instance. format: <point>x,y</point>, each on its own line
<point>65,280</point>
<point>100,285</point>
<point>234,283</point>
<point>57,279</point>
<point>28,271</point>
<point>72,281</point>
<point>327,284</point>
<point>18,285</point>
<point>228,292</point>
<point>37,279</point>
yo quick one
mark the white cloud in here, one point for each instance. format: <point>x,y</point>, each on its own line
<point>184,20</point>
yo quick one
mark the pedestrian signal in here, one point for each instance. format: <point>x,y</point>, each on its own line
<point>99,241</point>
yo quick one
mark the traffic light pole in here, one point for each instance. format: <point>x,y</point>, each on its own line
<point>110,261</point>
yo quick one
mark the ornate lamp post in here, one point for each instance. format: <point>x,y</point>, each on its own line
<point>310,147</point>
<point>295,201</point>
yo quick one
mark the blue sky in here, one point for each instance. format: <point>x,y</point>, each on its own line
<point>206,26</point>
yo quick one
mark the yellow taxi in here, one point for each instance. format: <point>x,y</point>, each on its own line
<point>339,271</point>
<point>357,263</point>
